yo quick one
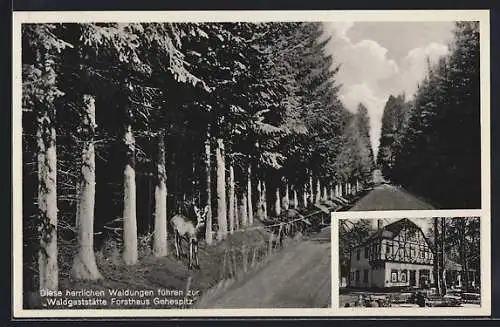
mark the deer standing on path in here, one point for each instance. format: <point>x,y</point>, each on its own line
<point>184,228</point>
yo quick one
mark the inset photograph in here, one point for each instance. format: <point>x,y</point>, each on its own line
<point>410,262</point>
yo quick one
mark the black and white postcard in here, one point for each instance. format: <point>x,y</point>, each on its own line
<point>198,163</point>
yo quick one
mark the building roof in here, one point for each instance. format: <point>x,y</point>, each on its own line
<point>391,230</point>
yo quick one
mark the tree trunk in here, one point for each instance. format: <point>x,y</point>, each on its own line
<point>325,193</point>
<point>295,198</point>
<point>221,191</point>
<point>286,198</point>
<point>47,199</point>
<point>304,195</point>
<point>463,252</point>
<point>249,195</point>
<point>260,200</point>
<point>277,204</point>
<point>236,211</point>
<point>318,192</point>
<point>264,197</point>
<point>349,270</point>
<point>208,188</point>
<point>243,208</point>
<point>130,255</point>
<point>437,276</point>
<point>443,256</point>
<point>84,264</point>
<point>231,200</point>
<point>160,247</point>
<point>311,190</point>
<point>194,180</point>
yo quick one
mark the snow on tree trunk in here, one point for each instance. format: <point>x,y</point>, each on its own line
<point>332,191</point>
<point>160,247</point>
<point>208,189</point>
<point>130,254</point>
<point>221,191</point>
<point>84,264</point>
<point>249,195</point>
<point>231,200</point>
<point>325,193</point>
<point>47,200</point>
<point>277,204</point>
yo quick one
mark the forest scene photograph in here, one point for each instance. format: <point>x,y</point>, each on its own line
<point>196,165</point>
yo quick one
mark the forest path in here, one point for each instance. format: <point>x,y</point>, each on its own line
<point>389,197</point>
<point>297,277</point>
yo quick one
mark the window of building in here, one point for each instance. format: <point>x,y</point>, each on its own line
<point>388,248</point>
<point>357,276</point>
<point>403,276</point>
<point>358,254</point>
<point>394,275</point>
<point>365,276</point>
<point>366,252</point>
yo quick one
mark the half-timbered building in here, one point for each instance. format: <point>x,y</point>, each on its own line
<point>396,255</point>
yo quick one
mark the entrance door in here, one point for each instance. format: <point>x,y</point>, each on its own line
<point>413,278</point>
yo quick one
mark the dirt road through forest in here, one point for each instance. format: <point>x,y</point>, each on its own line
<point>389,197</point>
<point>297,277</point>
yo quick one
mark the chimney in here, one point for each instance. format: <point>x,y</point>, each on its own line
<point>379,223</point>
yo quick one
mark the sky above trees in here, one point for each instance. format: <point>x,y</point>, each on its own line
<point>383,58</point>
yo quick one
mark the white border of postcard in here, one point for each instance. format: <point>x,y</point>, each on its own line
<point>255,16</point>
